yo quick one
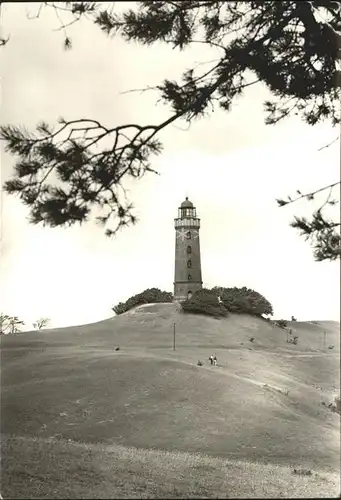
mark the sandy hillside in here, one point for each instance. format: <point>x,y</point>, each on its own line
<point>263,402</point>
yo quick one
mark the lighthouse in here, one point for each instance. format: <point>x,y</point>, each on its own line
<point>187,276</point>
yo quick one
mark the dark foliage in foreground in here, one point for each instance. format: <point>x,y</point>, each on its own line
<point>64,172</point>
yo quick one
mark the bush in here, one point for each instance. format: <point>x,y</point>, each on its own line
<point>149,296</point>
<point>282,323</point>
<point>336,406</point>
<point>200,363</point>
<point>302,472</point>
<point>293,318</point>
<point>219,301</point>
<point>243,300</point>
<point>204,302</point>
<point>292,340</point>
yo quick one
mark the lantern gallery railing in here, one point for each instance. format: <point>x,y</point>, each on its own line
<point>187,223</point>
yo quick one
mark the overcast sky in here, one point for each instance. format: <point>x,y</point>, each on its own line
<point>231,165</point>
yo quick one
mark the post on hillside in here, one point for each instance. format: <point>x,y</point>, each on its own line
<point>324,339</point>
<point>174,336</point>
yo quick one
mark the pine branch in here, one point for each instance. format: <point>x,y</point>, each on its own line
<point>323,234</point>
<point>308,196</point>
<point>329,144</point>
<point>102,170</point>
<point>257,38</point>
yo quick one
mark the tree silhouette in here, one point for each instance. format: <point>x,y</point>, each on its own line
<point>41,323</point>
<point>9,324</point>
<point>4,323</point>
<point>14,322</point>
<point>64,171</point>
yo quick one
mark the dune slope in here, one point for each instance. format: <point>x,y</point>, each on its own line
<point>262,403</point>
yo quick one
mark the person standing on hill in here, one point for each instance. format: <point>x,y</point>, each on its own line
<point>211,359</point>
<point>215,360</point>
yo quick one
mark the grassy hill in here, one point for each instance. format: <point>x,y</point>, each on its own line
<point>68,395</point>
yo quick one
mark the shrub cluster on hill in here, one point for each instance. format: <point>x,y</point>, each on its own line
<point>334,406</point>
<point>244,300</point>
<point>216,302</point>
<point>204,301</point>
<point>219,301</point>
<point>149,296</point>
<point>282,323</point>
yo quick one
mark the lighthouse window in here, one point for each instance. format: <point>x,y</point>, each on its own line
<point>189,263</point>
<point>189,277</point>
<point>188,235</point>
<point>189,249</point>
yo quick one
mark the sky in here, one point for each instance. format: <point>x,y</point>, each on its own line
<point>231,165</point>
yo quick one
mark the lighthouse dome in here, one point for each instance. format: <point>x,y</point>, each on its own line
<point>186,203</point>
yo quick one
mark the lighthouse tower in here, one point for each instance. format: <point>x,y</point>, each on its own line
<point>187,278</point>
